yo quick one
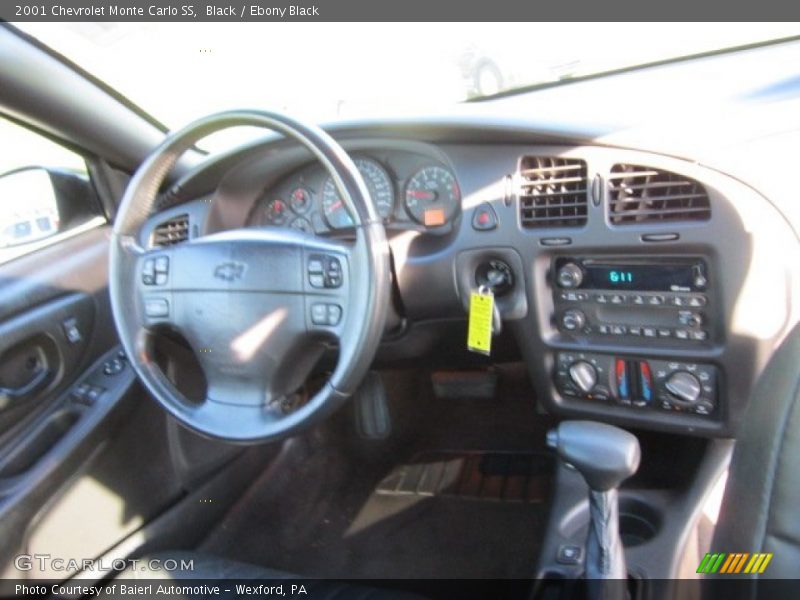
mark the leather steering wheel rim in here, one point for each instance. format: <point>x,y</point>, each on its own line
<point>252,319</point>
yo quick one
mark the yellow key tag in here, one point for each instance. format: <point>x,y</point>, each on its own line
<point>481,313</point>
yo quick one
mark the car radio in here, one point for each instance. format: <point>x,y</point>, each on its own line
<point>643,297</point>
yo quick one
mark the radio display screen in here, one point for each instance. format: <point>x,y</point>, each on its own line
<point>640,277</point>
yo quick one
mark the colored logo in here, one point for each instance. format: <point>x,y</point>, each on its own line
<point>732,563</point>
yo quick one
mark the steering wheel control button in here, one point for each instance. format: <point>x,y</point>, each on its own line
<point>324,271</point>
<point>149,272</point>
<point>334,314</point>
<point>484,218</point>
<point>155,271</point>
<point>156,307</point>
<point>319,314</point>
<point>326,314</point>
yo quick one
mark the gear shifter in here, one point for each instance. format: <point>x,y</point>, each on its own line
<point>605,456</point>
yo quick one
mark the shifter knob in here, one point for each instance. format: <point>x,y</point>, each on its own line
<point>605,455</point>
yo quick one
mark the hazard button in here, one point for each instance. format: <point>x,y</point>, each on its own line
<point>484,218</point>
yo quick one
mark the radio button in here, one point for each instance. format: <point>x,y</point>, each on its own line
<point>678,301</point>
<point>601,299</point>
<point>664,333</point>
<point>649,331</point>
<point>617,299</point>
<point>604,329</point>
<point>570,276</point>
<point>681,334</point>
<point>573,320</point>
<point>635,330</point>
<point>655,300</point>
<point>637,299</point>
<point>618,329</point>
<point>696,301</point>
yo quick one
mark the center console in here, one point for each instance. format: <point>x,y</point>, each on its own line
<point>662,305</point>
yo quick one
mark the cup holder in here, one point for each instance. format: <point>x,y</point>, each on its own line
<point>638,522</point>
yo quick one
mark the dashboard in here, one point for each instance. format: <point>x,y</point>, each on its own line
<point>410,191</point>
<point>640,289</point>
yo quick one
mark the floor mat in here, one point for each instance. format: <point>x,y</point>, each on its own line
<point>467,515</point>
<point>501,476</point>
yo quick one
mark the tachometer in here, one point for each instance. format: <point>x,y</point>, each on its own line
<point>380,188</point>
<point>433,196</point>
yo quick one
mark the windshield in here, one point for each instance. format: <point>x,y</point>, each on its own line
<point>328,71</point>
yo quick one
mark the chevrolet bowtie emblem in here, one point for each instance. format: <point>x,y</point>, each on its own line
<point>229,271</point>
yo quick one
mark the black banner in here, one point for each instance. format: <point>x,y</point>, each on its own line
<point>394,10</point>
<point>733,586</point>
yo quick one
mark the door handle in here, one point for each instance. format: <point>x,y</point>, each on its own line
<point>8,396</point>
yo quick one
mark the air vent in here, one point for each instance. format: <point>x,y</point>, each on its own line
<point>172,232</point>
<point>553,192</point>
<point>645,195</point>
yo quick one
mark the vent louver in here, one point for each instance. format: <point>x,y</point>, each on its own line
<point>638,194</point>
<point>171,232</point>
<point>553,192</point>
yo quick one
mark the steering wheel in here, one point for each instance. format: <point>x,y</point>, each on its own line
<point>257,306</point>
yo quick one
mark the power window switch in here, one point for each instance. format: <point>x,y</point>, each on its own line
<point>94,393</point>
<point>81,392</point>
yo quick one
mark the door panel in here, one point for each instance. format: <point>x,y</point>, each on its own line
<point>82,447</point>
<point>40,350</point>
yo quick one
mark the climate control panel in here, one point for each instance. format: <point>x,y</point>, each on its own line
<point>640,383</point>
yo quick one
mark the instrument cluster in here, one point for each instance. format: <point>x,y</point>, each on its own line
<point>409,191</point>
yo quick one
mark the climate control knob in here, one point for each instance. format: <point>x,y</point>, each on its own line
<point>684,387</point>
<point>569,275</point>
<point>573,320</point>
<point>584,375</point>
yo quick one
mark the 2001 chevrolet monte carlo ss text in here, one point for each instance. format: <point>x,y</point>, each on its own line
<point>413,311</point>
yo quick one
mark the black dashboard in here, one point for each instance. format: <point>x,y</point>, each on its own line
<point>641,289</point>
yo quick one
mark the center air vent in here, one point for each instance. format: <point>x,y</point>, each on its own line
<point>553,192</point>
<point>645,195</point>
<point>172,232</point>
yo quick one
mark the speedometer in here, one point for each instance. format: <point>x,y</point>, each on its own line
<point>380,189</point>
<point>433,196</point>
